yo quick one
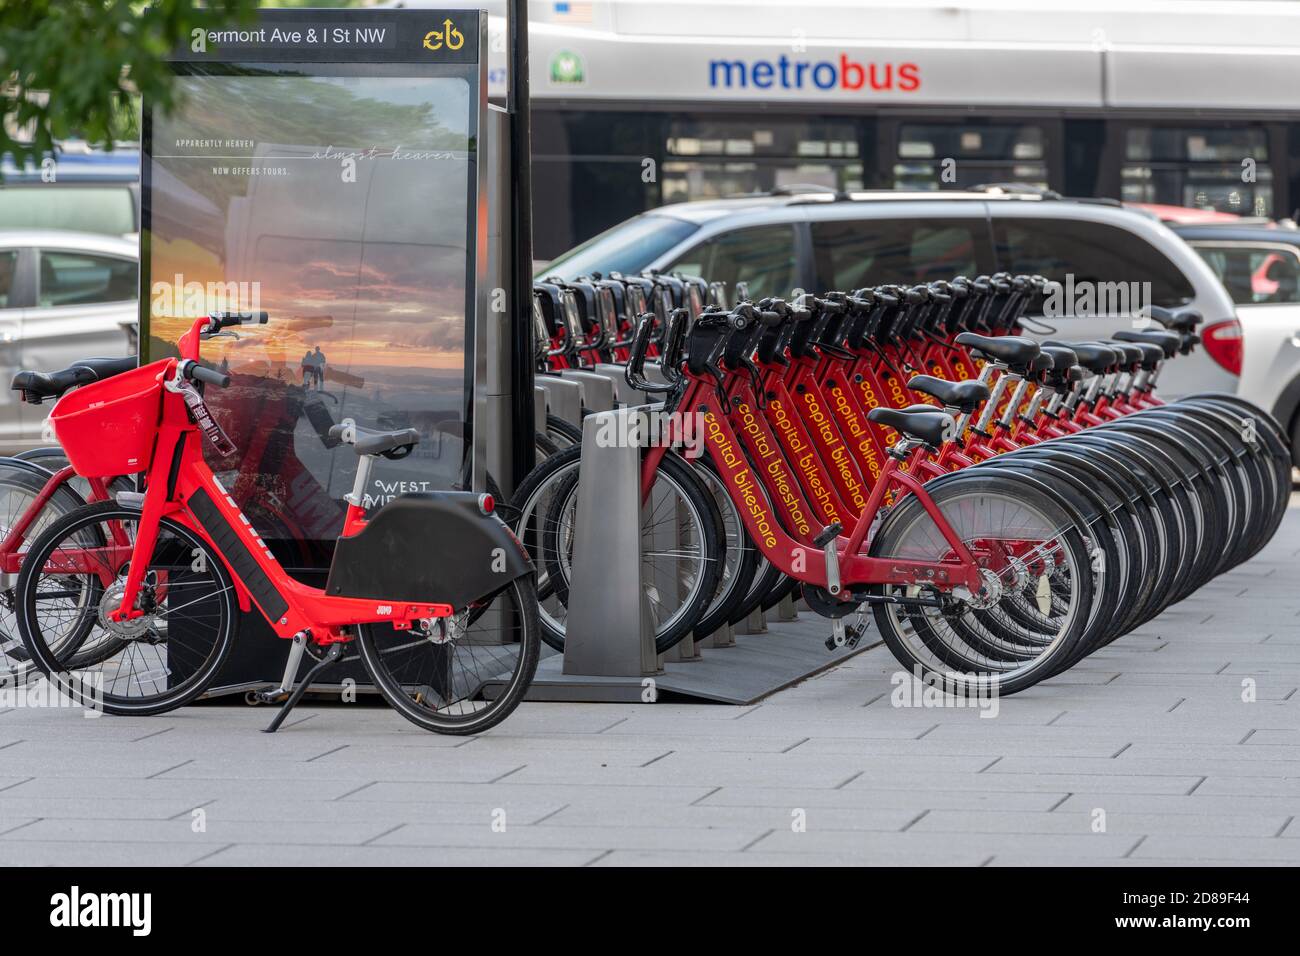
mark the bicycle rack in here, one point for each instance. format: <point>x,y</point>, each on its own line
<point>609,653</point>
<point>539,408</point>
<point>563,397</point>
<point>624,394</point>
<point>597,390</point>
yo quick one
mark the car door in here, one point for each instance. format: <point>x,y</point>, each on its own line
<point>1263,279</point>
<point>85,305</point>
<point>15,294</point>
<point>1109,262</point>
<point>908,247</point>
<point>765,258</point>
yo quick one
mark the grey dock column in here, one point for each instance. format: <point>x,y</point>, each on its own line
<point>609,631</point>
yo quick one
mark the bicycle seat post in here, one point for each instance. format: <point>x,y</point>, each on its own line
<point>365,464</point>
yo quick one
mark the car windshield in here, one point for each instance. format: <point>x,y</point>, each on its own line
<point>628,247</point>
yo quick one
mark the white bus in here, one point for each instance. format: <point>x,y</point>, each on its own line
<point>1178,102</point>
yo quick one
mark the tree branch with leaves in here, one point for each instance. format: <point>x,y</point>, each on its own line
<point>75,68</point>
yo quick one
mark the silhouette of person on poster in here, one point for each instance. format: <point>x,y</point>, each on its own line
<point>318,360</point>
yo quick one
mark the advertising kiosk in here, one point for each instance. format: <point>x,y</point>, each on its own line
<point>326,167</point>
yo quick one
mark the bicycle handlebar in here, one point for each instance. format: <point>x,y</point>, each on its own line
<point>221,320</point>
<point>633,370</point>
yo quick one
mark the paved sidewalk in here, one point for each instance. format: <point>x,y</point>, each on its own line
<point>1150,737</point>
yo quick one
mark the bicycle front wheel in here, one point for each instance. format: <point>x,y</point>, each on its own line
<point>462,674</point>
<point>1032,557</point>
<point>72,579</point>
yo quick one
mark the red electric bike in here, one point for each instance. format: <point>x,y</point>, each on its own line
<point>130,604</point>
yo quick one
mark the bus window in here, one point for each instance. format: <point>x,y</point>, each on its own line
<point>705,158</point>
<point>957,155</point>
<point>764,257</point>
<point>851,254</point>
<point>1089,251</point>
<point>1202,168</point>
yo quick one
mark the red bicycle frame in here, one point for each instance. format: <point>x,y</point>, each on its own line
<point>178,481</point>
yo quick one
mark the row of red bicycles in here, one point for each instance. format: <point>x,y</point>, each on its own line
<point>1001,507</point>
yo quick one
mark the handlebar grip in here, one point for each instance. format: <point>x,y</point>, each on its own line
<point>223,319</point>
<point>199,373</point>
<point>674,339</point>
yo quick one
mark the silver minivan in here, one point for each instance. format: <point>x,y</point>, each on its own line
<point>64,296</point>
<point>818,239</point>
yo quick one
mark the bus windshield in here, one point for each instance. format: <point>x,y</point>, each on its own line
<point>628,247</point>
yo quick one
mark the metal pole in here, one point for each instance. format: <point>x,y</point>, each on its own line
<point>521,299</point>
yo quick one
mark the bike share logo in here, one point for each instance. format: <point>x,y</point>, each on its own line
<point>567,69</point>
<point>448,37</point>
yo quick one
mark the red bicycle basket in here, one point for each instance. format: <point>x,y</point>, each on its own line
<point>108,428</point>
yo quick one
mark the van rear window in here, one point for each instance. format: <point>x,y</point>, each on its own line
<point>104,209</point>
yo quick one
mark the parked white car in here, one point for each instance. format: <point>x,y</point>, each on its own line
<point>815,238</point>
<point>64,296</point>
<point>1259,265</point>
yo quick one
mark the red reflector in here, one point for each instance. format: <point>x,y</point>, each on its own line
<point>1222,341</point>
<point>486,504</point>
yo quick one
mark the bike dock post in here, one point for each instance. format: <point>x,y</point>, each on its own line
<point>609,649</point>
<point>597,390</point>
<point>563,397</point>
<point>539,409</point>
<point>609,640</point>
<point>624,394</point>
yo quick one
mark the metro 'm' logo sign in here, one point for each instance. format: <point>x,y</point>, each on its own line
<point>787,74</point>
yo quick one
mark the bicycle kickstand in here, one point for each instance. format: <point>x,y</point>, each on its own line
<point>331,657</point>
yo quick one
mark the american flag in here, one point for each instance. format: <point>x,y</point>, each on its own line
<point>571,12</point>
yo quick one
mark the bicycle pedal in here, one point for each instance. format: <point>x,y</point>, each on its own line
<point>838,638</point>
<point>853,634</point>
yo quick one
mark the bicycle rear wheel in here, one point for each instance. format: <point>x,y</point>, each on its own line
<point>463,674</point>
<point>19,488</point>
<point>166,658</point>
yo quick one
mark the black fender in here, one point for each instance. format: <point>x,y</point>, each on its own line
<point>434,547</point>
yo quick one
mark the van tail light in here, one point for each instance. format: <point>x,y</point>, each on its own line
<point>1223,341</point>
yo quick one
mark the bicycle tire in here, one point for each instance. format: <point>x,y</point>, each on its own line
<point>189,689</point>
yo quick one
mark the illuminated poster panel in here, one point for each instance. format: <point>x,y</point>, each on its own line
<point>323,167</point>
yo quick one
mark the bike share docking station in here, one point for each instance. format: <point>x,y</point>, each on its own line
<point>609,649</point>
<point>398,175</point>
